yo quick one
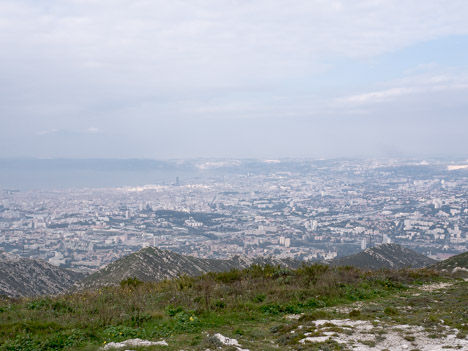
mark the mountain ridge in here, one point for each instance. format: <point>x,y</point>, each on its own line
<point>25,277</point>
<point>153,264</point>
<point>29,277</point>
<point>391,256</point>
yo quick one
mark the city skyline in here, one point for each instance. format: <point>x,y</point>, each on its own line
<point>305,211</point>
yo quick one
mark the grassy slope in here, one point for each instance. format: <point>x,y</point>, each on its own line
<point>449,264</point>
<point>249,305</point>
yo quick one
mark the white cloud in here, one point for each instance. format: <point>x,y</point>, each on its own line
<point>48,132</point>
<point>409,86</point>
<point>216,43</point>
<point>378,96</point>
<point>93,130</point>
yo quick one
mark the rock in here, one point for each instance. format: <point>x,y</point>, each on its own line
<point>133,343</point>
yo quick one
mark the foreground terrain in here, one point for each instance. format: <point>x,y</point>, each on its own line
<point>312,308</point>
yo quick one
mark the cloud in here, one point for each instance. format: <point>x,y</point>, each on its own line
<point>157,73</point>
<point>213,44</point>
<point>409,86</point>
<point>48,132</point>
<point>378,96</point>
<point>68,132</point>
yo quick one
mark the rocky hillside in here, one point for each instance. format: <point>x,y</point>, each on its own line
<point>30,277</point>
<point>153,264</point>
<point>458,263</point>
<point>390,256</point>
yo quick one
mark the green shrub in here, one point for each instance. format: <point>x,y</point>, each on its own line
<point>39,304</point>
<point>121,332</point>
<point>131,283</point>
<point>139,318</point>
<point>229,277</point>
<point>315,303</point>
<point>238,332</point>
<point>354,313</point>
<point>312,273</point>
<point>390,311</point>
<point>171,311</point>
<point>21,343</point>
<point>185,322</point>
<point>270,309</point>
<point>184,282</point>
<point>277,309</point>
<point>314,315</point>
<point>220,304</point>
<point>61,307</point>
<point>259,298</point>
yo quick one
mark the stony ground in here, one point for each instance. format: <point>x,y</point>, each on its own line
<point>427,318</point>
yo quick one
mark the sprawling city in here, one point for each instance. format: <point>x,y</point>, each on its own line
<point>318,210</point>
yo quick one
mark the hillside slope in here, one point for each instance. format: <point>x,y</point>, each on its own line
<point>21,276</point>
<point>391,256</point>
<point>264,309</point>
<point>153,264</point>
<point>453,264</point>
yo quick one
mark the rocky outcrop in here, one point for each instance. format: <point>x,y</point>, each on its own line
<point>21,276</point>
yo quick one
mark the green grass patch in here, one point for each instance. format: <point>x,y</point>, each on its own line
<point>249,304</point>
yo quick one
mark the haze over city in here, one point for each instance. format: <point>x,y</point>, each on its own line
<point>307,129</point>
<point>233,175</point>
<point>246,79</point>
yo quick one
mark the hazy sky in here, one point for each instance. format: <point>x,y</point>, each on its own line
<point>233,78</point>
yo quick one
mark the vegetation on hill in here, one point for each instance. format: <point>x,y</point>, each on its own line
<point>152,264</point>
<point>391,256</point>
<point>250,304</point>
<point>454,264</point>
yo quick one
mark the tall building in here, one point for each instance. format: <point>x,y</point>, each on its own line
<point>363,244</point>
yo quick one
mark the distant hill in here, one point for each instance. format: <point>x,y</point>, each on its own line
<point>30,277</point>
<point>392,256</point>
<point>153,264</point>
<point>453,264</point>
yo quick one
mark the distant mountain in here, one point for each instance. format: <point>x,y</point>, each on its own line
<point>392,256</point>
<point>453,264</point>
<point>153,264</point>
<point>30,277</point>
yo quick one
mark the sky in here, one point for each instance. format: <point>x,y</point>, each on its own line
<point>233,78</point>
